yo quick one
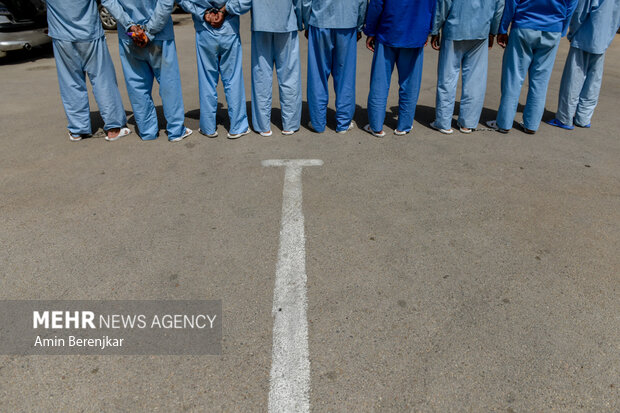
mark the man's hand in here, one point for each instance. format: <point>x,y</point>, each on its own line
<point>491,39</point>
<point>139,37</point>
<point>218,20</point>
<point>359,36</point>
<point>370,43</point>
<point>502,40</point>
<point>219,17</point>
<point>435,42</point>
<point>215,17</point>
<point>306,33</point>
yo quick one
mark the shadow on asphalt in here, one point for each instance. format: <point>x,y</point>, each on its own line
<point>276,116</point>
<point>424,115</point>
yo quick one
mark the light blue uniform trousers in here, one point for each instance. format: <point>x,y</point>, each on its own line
<point>220,55</point>
<point>472,58</point>
<point>580,88</point>
<point>75,60</point>
<point>141,67</point>
<point>331,51</point>
<point>529,52</point>
<point>409,62</point>
<point>281,49</point>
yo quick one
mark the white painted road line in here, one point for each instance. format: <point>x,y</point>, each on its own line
<point>290,362</point>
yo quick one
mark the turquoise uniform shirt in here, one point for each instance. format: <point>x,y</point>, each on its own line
<point>198,8</point>
<point>594,25</point>
<point>73,21</point>
<point>274,16</point>
<point>335,14</point>
<point>152,14</point>
<point>467,19</point>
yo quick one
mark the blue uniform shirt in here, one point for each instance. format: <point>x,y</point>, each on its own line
<point>594,25</point>
<point>73,21</point>
<point>467,19</point>
<point>400,23</point>
<point>275,16</point>
<point>544,15</point>
<point>153,14</point>
<point>335,14</point>
<point>198,8</point>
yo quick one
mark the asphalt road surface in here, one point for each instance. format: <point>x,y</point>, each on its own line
<point>444,273</point>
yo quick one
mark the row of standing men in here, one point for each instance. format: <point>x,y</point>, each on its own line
<point>397,31</point>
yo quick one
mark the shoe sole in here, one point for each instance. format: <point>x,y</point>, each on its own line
<point>435,127</point>
<point>238,135</point>
<point>208,135</point>
<point>351,127</point>
<point>124,132</point>
<point>526,130</point>
<point>185,135</point>
<point>496,128</point>
<point>373,133</point>
<point>463,130</point>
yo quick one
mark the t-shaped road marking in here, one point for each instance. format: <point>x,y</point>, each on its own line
<point>290,362</point>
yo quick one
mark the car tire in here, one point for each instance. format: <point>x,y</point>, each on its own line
<point>107,20</point>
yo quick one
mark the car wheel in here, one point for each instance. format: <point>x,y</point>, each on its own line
<point>107,20</point>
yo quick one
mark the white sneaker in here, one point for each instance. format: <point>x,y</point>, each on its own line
<point>74,138</point>
<point>373,133</point>
<point>208,135</point>
<point>265,134</point>
<point>444,131</point>
<point>121,133</point>
<point>351,126</point>
<point>238,135</point>
<point>187,132</point>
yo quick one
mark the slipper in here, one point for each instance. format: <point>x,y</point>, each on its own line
<point>350,127</point>
<point>557,123</point>
<point>121,133</point>
<point>526,130</point>
<point>238,135</point>
<point>312,128</point>
<point>584,126</point>
<point>208,135</point>
<point>437,128</point>
<point>401,132</point>
<point>288,132</point>
<point>373,133</point>
<point>465,130</point>
<point>493,125</point>
<point>187,132</point>
<point>74,138</point>
<point>266,134</point>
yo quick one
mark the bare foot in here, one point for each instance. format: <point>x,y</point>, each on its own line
<point>113,133</point>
